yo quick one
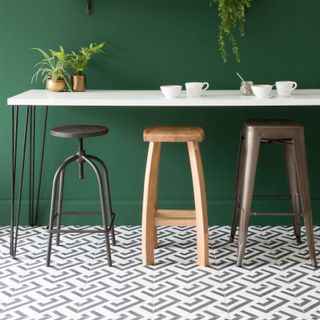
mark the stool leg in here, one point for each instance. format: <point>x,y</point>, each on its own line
<point>303,180</point>
<point>199,191</point>
<point>108,194</point>
<point>51,218</point>
<point>155,237</point>
<point>53,203</point>
<point>59,211</point>
<point>252,146</point>
<point>294,192</point>
<point>149,203</point>
<point>237,193</point>
<point>104,212</point>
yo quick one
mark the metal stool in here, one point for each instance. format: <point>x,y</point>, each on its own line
<point>151,215</point>
<point>80,132</point>
<point>291,135</point>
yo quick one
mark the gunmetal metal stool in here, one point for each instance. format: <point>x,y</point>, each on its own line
<point>151,215</point>
<point>291,135</point>
<point>108,216</point>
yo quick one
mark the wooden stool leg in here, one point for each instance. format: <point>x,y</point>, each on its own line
<point>237,192</point>
<point>200,203</point>
<point>294,191</point>
<point>303,180</point>
<point>155,236</point>
<point>252,146</point>
<point>150,203</point>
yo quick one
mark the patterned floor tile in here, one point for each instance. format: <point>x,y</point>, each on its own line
<point>182,292</point>
<point>276,281</point>
<point>285,249</point>
<point>263,301</point>
<point>123,291</point>
<point>182,289</point>
<point>50,292</point>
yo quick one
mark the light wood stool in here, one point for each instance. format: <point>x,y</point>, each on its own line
<point>152,217</point>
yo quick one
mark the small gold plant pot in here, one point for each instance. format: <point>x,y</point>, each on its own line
<point>78,83</point>
<point>56,85</point>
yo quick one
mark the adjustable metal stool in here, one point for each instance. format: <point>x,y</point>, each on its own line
<point>80,132</point>
<point>151,215</point>
<point>291,135</point>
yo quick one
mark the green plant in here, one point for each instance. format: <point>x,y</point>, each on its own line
<point>79,61</point>
<point>232,16</point>
<point>52,66</point>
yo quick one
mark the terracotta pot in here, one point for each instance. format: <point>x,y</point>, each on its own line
<point>56,85</point>
<point>79,83</point>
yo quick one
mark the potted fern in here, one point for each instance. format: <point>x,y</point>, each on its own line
<point>53,69</point>
<point>79,62</point>
<point>232,16</point>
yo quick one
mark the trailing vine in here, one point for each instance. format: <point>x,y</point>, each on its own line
<point>232,16</point>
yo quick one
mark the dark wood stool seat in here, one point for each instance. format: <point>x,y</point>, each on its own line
<point>79,131</point>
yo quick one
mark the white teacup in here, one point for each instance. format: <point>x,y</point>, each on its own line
<point>194,89</point>
<point>285,88</point>
<point>262,90</point>
<point>171,91</point>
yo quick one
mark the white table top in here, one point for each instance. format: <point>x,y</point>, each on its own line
<point>154,98</point>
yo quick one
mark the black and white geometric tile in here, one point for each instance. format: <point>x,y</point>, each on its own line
<point>276,281</point>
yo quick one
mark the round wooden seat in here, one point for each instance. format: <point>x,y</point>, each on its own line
<point>79,131</point>
<point>173,134</point>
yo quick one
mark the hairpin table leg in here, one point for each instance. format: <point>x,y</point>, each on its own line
<point>89,6</point>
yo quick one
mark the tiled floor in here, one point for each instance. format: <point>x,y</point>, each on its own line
<point>276,282</point>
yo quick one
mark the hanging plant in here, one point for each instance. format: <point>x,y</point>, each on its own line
<point>232,16</point>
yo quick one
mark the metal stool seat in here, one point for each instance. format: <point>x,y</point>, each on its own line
<point>291,135</point>
<point>79,131</point>
<point>108,216</point>
<point>152,217</point>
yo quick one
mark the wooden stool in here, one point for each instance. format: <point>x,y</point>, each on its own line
<point>152,217</point>
<point>291,135</point>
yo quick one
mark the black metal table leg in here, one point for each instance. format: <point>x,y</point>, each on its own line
<point>14,134</point>
<point>41,163</point>
<point>17,178</point>
<point>31,165</point>
<point>15,212</point>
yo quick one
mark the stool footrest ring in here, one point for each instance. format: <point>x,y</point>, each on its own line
<point>296,214</point>
<point>79,231</point>
<point>80,213</point>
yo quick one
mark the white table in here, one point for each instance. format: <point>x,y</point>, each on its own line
<point>109,98</point>
<point>154,98</point>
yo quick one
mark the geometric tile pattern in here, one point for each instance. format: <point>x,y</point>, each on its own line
<point>276,281</point>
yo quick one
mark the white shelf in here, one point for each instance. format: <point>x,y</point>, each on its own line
<point>154,98</point>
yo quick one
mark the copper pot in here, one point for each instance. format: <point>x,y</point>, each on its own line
<point>56,85</point>
<point>78,83</point>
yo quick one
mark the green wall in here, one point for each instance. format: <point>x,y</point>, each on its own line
<point>151,43</point>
